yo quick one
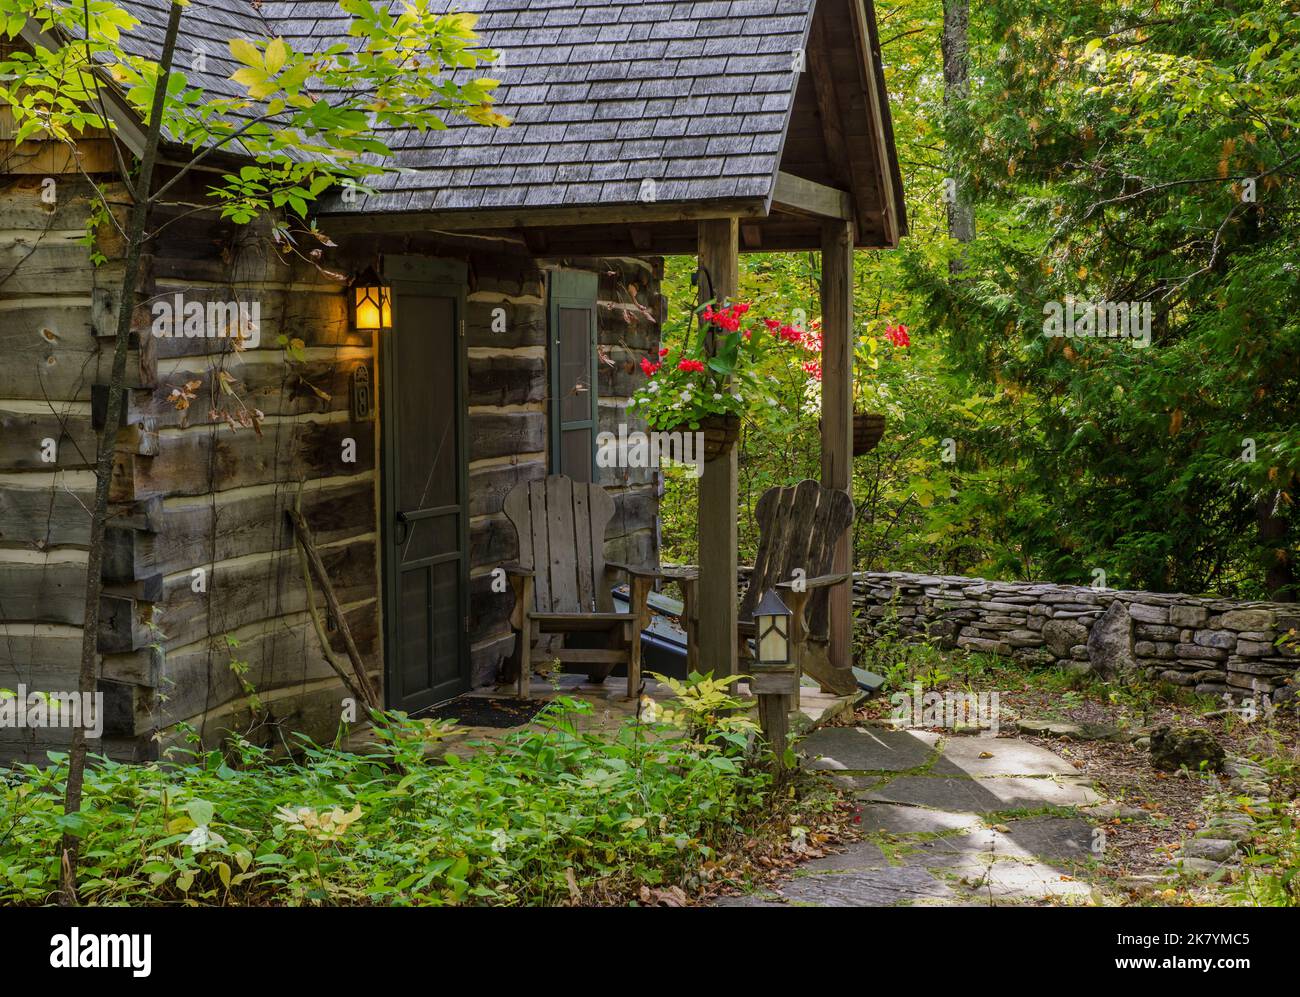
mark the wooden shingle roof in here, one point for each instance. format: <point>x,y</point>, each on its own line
<point>613,102</point>
<point>604,95</point>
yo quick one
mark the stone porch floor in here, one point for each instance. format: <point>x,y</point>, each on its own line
<point>948,821</point>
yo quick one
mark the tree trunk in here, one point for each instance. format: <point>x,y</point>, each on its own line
<point>86,682</point>
<point>1279,571</point>
<point>956,88</point>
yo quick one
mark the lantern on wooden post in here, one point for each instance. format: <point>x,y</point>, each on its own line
<point>775,681</point>
<point>372,303</point>
<point>772,621</point>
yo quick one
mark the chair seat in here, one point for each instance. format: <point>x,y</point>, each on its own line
<point>578,622</point>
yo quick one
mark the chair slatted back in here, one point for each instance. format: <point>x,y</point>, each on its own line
<point>561,526</point>
<point>798,526</point>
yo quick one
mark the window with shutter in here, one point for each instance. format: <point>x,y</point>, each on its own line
<point>572,364</point>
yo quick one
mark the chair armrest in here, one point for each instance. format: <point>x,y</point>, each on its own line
<point>518,570</point>
<point>680,572</point>
<point>818,581</point>
<point>638,572</point>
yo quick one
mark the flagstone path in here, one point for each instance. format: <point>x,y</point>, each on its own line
<point>969,820</point>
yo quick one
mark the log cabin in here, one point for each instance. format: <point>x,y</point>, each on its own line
<point>524,266</point>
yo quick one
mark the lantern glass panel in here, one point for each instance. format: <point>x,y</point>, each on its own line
<point>373,307</point>
<point>773,640</point>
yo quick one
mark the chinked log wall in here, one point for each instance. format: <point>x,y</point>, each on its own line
<point>509,399</point>
<point>190,492</point>
<point>1217,646</point>
<point>49,358</point>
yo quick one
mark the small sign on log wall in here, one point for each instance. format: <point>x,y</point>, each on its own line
<point>361,393</point>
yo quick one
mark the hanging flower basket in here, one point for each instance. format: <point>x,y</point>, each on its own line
<point>721,432</point>
<point>868,430</point>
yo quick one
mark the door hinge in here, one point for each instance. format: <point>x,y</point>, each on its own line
<point>462,328</point>
<point>467,623</point>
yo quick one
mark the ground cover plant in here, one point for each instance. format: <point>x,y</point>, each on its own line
<point>549,815</point>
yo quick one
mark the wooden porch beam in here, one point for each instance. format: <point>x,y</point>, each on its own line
<point>871,82</point>
<point>837,415</point>
<point>807,197</point>
<point>639,213</point>
<point>719,247</point>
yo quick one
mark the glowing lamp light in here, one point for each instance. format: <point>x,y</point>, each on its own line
<point>772,622</point>
<point>372,304</point>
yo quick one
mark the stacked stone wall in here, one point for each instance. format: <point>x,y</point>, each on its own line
<point>1216,646</point>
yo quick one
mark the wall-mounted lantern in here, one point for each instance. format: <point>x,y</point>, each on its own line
<point>372,303</point>
<point>772,623</point>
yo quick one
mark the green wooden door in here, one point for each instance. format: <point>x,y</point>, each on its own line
<point>425,504</point>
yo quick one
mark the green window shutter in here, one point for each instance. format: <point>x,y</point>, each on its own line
<point>571,359</point>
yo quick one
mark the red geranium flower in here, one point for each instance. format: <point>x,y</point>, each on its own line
<point>691,366</point>
<point>897,334</point>
<point>648,367</point>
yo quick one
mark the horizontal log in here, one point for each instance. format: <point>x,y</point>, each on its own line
<point>611,418</point>
<point>192,532</point>
<point>42,656</point>
<point>25,428</point>
<point>489,486</point>
<point>513,275</point>
<point>202,459</point>
<point>142,667</point>
<point>23,204</point>
<point>38,511</point>
<point>507,433</point>
<point>637,549</point>
<point>252,588</point>
<point>310,708</point>
<point>628,326</point>
<point>255,379</point>
<point>506,380</point>
<point>44,588</point>
<point>485,659</point>
<point>279,652</point>
<point>504,324</point>
<point>492,542</point>
<point>634,509</point>
<point>489,611</point>
<point>35,263</point>
<point>317,318</point>
<point>48,349</point>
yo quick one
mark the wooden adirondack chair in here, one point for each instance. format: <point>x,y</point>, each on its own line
<point>798,527</point>
<point>562,581</point>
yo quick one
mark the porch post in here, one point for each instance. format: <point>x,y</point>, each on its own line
<point>837,413</point>
<point>718,249</point>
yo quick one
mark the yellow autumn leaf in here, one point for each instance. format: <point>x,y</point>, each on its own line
<point>276,52</point>
<point>246,52</point>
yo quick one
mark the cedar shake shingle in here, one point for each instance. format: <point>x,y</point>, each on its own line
<point>603,93</point>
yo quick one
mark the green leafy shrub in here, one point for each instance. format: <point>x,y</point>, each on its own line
<point>551,814</point>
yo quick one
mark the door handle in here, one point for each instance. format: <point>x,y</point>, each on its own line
<point>403,524</point>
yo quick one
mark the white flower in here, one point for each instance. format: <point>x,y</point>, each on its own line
<point>738,397</point>
<point>686,396</point>
<point>631,403</point>
<point>500,840</point>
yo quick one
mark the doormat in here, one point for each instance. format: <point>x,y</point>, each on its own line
<point>478,711</point>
